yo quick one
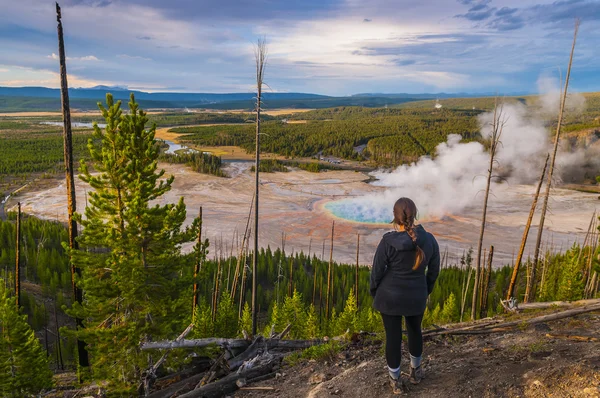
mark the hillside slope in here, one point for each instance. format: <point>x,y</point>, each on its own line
<point>538,361</point>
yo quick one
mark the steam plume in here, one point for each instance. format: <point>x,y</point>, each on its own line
<point>450,182</point>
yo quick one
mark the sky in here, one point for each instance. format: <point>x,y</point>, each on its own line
<point>331,47</point>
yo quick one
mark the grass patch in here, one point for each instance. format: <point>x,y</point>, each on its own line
<point>322,352</point>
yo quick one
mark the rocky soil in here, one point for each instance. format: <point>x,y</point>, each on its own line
<point>540,361</point>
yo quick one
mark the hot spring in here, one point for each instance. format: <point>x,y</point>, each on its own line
<point>359,210</point>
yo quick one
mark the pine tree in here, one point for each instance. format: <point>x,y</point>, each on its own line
<point>436,314</point>
<point>203,326</point>
<point>276,321</point>
<point>129,250</point>
<point>245,323</point>
<point>312,323</point>
<point>226,324</point>
<point>427,321</point>
<point>348,318</point>
<point>23,363</point>
<point>571,285</point>
<point>450,313</point>
<point>293,313</point>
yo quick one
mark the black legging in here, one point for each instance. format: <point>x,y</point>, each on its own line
<point>393,336</point>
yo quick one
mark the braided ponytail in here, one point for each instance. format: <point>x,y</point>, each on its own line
<point>405,213</point>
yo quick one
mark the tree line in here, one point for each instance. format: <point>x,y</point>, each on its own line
<point>391,139</point>
<point>200,162</point>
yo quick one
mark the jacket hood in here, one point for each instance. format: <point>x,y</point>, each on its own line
<point>402,242</point>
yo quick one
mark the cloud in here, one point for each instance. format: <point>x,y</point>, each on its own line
<point>474,2</point>
<point>512,18</point>
<point>19,76</point>
<point>478,12</point>
<point>566,10</point>
<point>324,46</point>
<point>506,11</point>
<point>134,57</point>
<point>86,58</point>
<point>507,22</point>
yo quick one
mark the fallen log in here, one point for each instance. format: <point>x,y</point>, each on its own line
<point>180,386</point>
<point>230,343</point>
<point>478,324</point>
<point>150,374</point>
<point>228,384</point>
<point>167,380</point>
<point>507,326</point>
<point>284,332</point>
<point>196,343</point>
<point>550,304</point>
<point>252,351</point>
<point>219,365</point>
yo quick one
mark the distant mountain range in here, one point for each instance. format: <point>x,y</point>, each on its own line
<point>13,99</point>
<point>98,93</point>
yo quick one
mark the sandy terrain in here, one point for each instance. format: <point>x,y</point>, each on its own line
<point>278,112</point>
<point>163,133</point>
<point>293,203</point>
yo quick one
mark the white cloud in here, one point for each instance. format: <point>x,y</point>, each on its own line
<point>86,58</point>
<point>18,76</point>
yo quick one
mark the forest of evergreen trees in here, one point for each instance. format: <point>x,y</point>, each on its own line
<point>392,137</point>
<point>200,162</point>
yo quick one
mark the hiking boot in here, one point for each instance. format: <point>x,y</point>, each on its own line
<point>398,386</point>
<point>416,375</point>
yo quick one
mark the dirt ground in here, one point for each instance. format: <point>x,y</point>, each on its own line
<point>524,363</point>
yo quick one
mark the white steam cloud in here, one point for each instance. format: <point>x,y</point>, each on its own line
<point>451,181</point>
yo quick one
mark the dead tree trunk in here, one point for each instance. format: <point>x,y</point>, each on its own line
<point>513,279</point>
<point>327,299</point>
<point>245,239</point>
<point>217,287</point>
<point>481,279</point>
<point>314,285</point>
<point>530,292</point>
<point>243,287</point>
<point>291,284</point>
<point>486,284</point>
<point>83,359</point>
<point>59,357</point>
<point>496,133</point>
<point>18,258</point>
<point>465,290</point>
<point>261,59</point>
<point>199,257</point>
<point>356,275</point>
<point>588,273</point>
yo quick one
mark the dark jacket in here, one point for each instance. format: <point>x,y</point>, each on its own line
<point>397,289</point>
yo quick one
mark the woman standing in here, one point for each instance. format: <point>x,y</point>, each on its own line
<point>400,285</point>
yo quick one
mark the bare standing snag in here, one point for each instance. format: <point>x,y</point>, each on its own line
<point>71,198</point>
<point>530,293</point>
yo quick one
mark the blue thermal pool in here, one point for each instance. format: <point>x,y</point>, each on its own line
<point>360,210</point>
